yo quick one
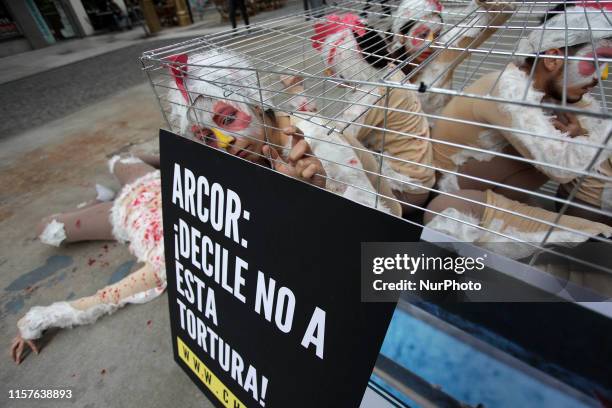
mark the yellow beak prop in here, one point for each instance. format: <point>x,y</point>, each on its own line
<point>604,72</point>
<point>223,140</point>
<point>430,37</point>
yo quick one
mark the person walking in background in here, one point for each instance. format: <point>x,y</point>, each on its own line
<point>243,12</point>
<point>314,4</point>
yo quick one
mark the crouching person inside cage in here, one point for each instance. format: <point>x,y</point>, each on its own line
<point>503,144</point>
<point>135,216</point>
<point>389,122</point>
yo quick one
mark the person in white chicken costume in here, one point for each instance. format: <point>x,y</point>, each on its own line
<point>421,35</point>
<point>558,146</point>
<point>226,117</point>
<point>389,124</point>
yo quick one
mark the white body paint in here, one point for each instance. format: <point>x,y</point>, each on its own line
<point>341,54</point>
<point>414,10</point>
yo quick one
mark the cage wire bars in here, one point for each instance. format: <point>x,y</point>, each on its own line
<point>335,99</point>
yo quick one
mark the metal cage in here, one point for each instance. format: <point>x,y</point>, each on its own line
<point>354,114</point>
<point>474,40</point>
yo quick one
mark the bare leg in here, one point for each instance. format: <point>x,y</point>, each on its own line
<point>86,224</point>
<point>91,222</point>
<point>417,200</point>
<point>502,170</point>
<point>579,212</point>
<point>442,202</point>
<point>130,169</point>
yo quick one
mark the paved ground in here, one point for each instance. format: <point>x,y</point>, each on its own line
<point>46,84</point>
<point>42,178</point>
<point>33,101</point>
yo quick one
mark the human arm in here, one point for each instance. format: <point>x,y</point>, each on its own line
<point>138,287</point>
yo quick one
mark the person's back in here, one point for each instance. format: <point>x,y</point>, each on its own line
<point>461,124</point>
<point>463,127</point>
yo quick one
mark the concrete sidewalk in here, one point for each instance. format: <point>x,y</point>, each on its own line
<point>29,63</point>
<point>124,360</point>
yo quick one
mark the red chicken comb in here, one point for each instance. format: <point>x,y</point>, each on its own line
<point>334,24</point>
<point>178,69</point>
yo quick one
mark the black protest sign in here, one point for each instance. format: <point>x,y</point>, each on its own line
<point>264,282</point>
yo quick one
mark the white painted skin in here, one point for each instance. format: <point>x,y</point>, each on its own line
<point>574,77</point>
<point>204,109</point>
<point>422,31</point>
<point>414,10</point>
<point>236,86</point>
